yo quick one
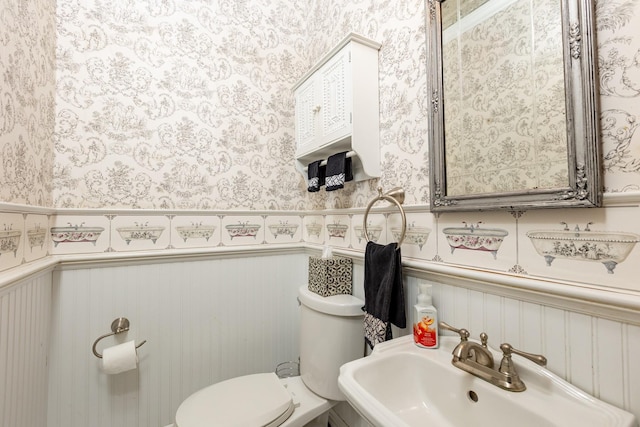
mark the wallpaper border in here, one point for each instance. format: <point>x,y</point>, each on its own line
<point>614,305</point>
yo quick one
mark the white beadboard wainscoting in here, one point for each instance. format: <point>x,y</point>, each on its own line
<point>25,313</point>
<point>210,318</point>
<point>204,321</point>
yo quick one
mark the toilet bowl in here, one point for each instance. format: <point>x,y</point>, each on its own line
<point>331,334</point>
<point>253,400</point>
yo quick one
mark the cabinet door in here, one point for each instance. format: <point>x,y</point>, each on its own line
<point>307,110</point>
<point>335,111</point>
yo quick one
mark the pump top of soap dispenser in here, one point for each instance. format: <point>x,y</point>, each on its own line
<point>424,297</point>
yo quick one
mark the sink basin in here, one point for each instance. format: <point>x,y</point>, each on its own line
<point>400,384</point>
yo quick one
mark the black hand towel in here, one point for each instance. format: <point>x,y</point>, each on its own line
<point>338,171</point>
<point>383,292</point>
<point>315,173</point>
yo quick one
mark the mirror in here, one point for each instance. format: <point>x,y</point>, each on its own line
<point>513,95</point>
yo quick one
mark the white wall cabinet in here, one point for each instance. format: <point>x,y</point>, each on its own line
<point>337,108</point>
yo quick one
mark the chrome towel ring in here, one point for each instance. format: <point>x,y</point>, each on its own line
<point>395,196</point>
<point>119,325</point>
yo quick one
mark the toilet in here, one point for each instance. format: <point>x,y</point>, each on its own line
<point>331,334</point>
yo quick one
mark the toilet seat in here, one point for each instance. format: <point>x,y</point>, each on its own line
<point>251,400</point>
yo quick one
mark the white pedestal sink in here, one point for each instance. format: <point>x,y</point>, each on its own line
<point>400,384</point>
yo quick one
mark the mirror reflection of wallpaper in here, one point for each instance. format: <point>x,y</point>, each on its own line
<point>27,82</point>
<point>452,10</point>
<point>177,104</point>
<point>504,101</point>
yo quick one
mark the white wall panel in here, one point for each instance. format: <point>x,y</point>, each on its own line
<point>554,333</point>
<point>631,368</point>
<point>24,340</point>
<point>511,327</point>
<point>608,376</point>
<point>494,323</point>
<point>531,335</point>
<point>476,309</point>
<point>204,321</point>
<point>581,351</point>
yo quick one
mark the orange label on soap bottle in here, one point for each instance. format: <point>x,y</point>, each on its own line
<point>424,332</point>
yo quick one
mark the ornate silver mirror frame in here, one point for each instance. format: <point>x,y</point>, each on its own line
<point>583,187</point>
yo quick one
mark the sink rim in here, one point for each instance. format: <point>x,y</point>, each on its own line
<point>374,411</point>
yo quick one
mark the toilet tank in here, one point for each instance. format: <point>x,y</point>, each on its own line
<point>331,334</point>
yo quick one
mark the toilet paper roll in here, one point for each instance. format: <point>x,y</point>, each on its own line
<point>120,358</point>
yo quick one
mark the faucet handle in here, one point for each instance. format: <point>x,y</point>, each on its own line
<point>507,349</point>
<point>483,339</point>
<point>464,334</point>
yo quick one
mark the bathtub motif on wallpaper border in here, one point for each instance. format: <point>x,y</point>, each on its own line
<point>475,238</point>
<point>608,247</point>
<point>140,231</point>
<point>283,228</point>
<point>374,232</point>
<point>314,229</point>
<point>414,235</point>
<point>197,230</point>
<point>36,236</point>
<point>337,230</point>
<point>242,229</point>
<point>75,234</point>
<point>9,240</point>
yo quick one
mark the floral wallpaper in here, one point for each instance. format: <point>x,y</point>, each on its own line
<point>188,105</point>
<point>177,105</point>
<point>619,72</point>
<point>27,99</point>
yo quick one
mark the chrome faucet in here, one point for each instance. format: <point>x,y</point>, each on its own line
<point>477,360</point>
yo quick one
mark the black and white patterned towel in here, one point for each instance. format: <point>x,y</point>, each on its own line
<point>375,330</point>
<point>383,292</point>
<point>338,171</point>
<point>315,174</point>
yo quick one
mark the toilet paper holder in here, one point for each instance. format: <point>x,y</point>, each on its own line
<point>119,325</point>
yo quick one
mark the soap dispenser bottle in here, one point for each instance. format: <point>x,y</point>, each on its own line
<point>425,319</point>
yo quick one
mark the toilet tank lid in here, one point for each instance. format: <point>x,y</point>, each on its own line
<point>337,305</point>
